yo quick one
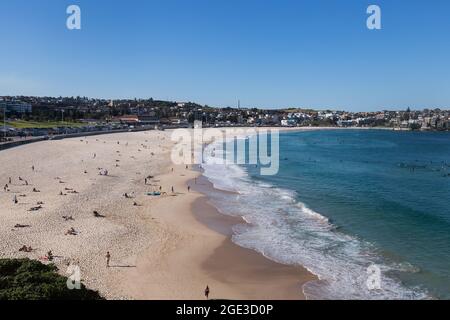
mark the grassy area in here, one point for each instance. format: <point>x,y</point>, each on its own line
<point>20,124</point>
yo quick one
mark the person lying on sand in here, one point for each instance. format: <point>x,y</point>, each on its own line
<point>126,195</point>
<point>61,193</point>
<point>35,208</point>
<point>26,249</point>
<point>71,232</point>
<point>67,218</point>
<point>35,190</point>
<point>98,215</point>
<point>21,226</point>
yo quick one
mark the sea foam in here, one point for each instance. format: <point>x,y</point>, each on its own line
<point>285,230</point>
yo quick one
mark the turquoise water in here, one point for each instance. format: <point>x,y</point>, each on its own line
<point>344,200</point>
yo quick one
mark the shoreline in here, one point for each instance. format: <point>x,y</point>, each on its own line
<point>254,265</point>
<point>200,252</point>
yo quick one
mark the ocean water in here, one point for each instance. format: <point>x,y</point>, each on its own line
<point>345,200</point>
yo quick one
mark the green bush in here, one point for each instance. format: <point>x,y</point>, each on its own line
<point>25,279</point>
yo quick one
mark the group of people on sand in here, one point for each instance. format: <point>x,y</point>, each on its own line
<point>127,196</point>
<point>6,188</point>
<point>71,231</point>
<point>26,249</point>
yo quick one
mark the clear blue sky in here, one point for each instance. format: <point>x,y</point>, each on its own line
<point>267,53</point>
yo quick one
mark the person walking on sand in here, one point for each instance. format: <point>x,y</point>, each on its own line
<point>15,199</point>
<point>10,180</point>
<point>207,292</point>
<point>32,168</point>
<point>173,189</point>
<point>108,258</point>
<point>189,188</point>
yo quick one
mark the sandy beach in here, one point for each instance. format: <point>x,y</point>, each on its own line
<point>162,247</point>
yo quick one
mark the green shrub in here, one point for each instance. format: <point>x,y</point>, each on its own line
<point>25,279</point>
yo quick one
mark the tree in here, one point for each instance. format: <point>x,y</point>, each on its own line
<point>25,279</point>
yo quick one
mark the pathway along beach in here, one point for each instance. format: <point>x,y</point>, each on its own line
<point>162,247</point>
